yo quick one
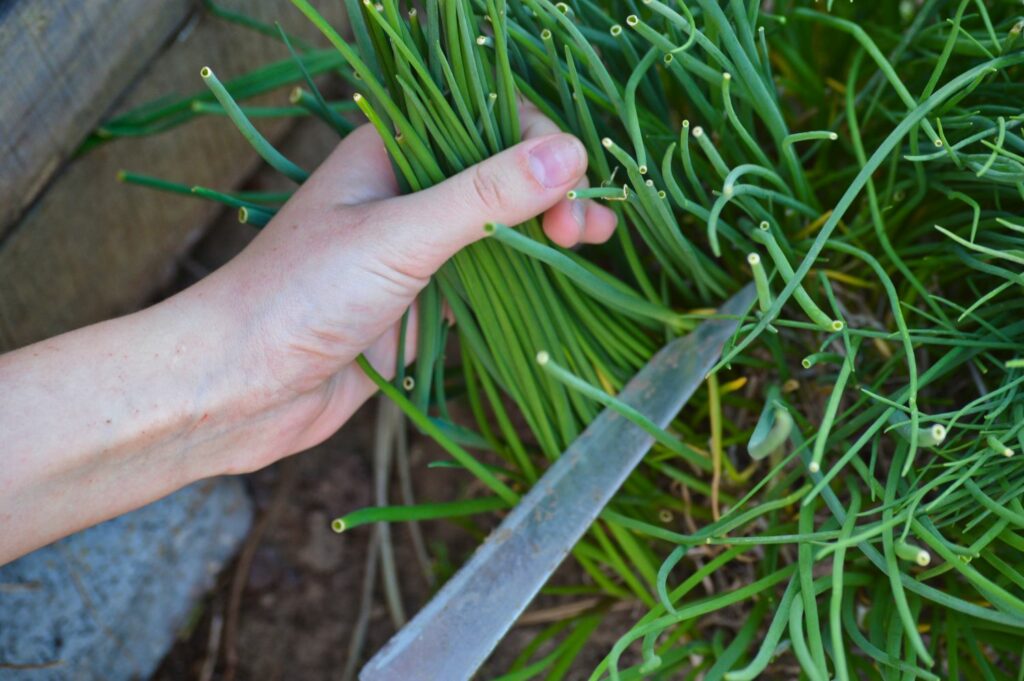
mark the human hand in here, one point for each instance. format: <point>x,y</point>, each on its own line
<point>332,274</point>
<point>256,361</point>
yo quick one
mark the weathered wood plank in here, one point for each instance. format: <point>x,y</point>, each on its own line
<point>91,247</point>
<point>63,64</point>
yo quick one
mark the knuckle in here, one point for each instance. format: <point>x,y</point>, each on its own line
<point>488,189</point>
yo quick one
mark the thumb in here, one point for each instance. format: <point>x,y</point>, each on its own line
<point>425,229</point>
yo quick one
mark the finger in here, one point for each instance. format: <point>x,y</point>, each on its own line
<point>568,223</point>
<point>534,124</point>
<point>422,230</point>
<point>357,171</point>
<point>600,224</point>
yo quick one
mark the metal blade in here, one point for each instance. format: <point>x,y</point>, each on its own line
<point>452,635</point>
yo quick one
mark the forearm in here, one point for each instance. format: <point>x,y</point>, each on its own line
<point>105,419</point>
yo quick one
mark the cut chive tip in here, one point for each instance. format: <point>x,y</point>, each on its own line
<point>616,30</point>
<point>651,665</point>
<point>543,357</point>
<point>665,515</point>
<point>838,325</point>
<point>545,34</point>
<point>632,20</point>
<point>408,383</point>
<point>913,554</point>
<point>814,467</point>
<point>806,363</point>
<point>726,76</point>
<point>338,525</point>
<point>643,170</point>
<point>243,215</point>
<point>686,123</point>
<point>754,259</point>
<point>607,143</point>
<point>938,432</point>
<point>997,446</point>
<point>295,95</point>
<point>205,73</point>
<point>764,226</point>
<point>698,131</point>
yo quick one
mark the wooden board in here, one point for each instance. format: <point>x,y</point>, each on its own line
<point>63,63</point>
<point>91,248</point>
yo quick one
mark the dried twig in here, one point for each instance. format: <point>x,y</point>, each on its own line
<point>355,643</point>
<point>213,642</point>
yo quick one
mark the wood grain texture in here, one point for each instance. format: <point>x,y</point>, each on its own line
<point>90,247</point>
<point>63,63</point>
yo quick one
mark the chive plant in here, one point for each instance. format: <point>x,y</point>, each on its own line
<point>846,496</point>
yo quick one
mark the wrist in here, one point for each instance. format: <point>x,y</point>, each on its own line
<point>211,373</point>
<point>245,412</point>
<point>110,417</point>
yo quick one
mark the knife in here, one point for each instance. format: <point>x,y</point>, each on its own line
<point>454,633</point>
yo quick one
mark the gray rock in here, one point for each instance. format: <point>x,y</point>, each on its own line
<point>107,603</point>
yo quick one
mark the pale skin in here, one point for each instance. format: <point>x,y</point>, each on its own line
<point>257,361</point>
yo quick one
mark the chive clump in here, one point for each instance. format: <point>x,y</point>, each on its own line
<point>846,491</point>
